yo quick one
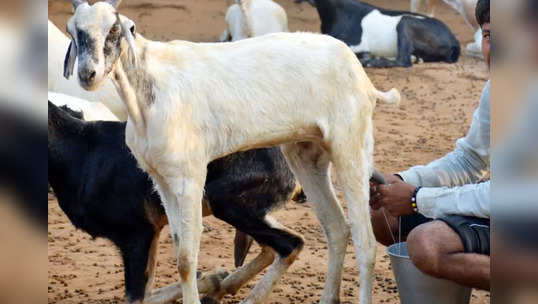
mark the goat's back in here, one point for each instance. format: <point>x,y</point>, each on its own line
<point>253,82</point>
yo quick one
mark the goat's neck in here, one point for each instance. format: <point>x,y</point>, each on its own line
<point>327,13</point>
<point>128,84</point>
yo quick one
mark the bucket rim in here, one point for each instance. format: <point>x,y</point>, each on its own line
<point>391,251</point>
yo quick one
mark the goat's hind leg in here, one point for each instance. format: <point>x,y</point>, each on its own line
<point>286,244</point>
<point>168,294</point>
<point>353,160</point>
<point>271,235</point>
<point>233,282</point>
<point>310,163</point>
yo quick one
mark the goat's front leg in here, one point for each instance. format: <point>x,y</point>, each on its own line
<point>183,207</point>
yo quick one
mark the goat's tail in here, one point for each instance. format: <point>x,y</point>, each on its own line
<point>242,243</point>
<point>245,6</point>
<point>390,97</point>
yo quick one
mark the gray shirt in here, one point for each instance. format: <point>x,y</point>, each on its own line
<point>451,184</point>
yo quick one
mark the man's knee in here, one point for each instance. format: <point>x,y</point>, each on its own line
<point>429,243</point>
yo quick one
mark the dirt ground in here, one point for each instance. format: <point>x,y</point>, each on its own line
<point>437,107</point>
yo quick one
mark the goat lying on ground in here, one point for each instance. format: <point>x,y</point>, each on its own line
<point>104,193</point>
<point>107,94</point>
<point>379,35</point>
<point>251,18</point>
<point>191,103</point>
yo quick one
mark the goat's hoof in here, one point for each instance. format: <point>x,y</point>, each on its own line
<point>222,274</point>
<point>208,300</point>
<point>207,228</point>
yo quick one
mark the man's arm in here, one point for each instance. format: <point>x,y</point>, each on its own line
<point>467,164</point>
<point>468,200</point>
<point>449,183</point>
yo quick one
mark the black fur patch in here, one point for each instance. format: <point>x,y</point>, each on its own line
<point>76,114</point>
<point>86,43</point>
<point>144,82</point>
<point>112,47</point>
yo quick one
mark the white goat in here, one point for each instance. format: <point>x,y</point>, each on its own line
<point>251,18</point>
<point>90,110</point>
<point>190,103</point>
<point>58,43</point>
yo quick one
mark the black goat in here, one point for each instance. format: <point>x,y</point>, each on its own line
<point>103,192</point>
<point>378,35</point>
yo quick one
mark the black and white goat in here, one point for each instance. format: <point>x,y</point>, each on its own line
<point>103,192</point>
<point>386,38</point>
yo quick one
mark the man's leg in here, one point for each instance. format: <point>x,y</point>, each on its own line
<point>438,250</point>
<point>388,236</point>
<point>384,233</point>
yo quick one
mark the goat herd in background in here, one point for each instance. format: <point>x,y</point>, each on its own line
<point>182,139</point>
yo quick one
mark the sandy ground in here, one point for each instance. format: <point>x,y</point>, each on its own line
<point>438,102</point>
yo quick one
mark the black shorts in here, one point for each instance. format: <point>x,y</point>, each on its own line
<point>473,231</point>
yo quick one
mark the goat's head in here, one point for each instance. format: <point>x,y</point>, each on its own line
<point>97,31</point>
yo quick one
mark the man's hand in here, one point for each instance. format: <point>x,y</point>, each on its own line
<point>395,196</point>
<point>374,196</point>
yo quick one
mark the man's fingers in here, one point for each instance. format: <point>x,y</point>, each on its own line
<point>383,189</point>
<point>374,198</point>
<point>376,206</point>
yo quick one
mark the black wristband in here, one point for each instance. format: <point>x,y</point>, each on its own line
<point>414,199</point>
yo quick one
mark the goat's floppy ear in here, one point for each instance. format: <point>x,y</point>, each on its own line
<point>114,3</point>
<point>128,29</point>
<point>69,61</point>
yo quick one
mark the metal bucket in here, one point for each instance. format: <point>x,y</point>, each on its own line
<point>416,287</point>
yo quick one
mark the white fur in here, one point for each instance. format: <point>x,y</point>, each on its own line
<point>57,48</point>
<point>379,34</point>
<point>474,48</point>
<point>90,110</point>
<point>461,6</point>
<point>214,99</point>
<point>251,18</point>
